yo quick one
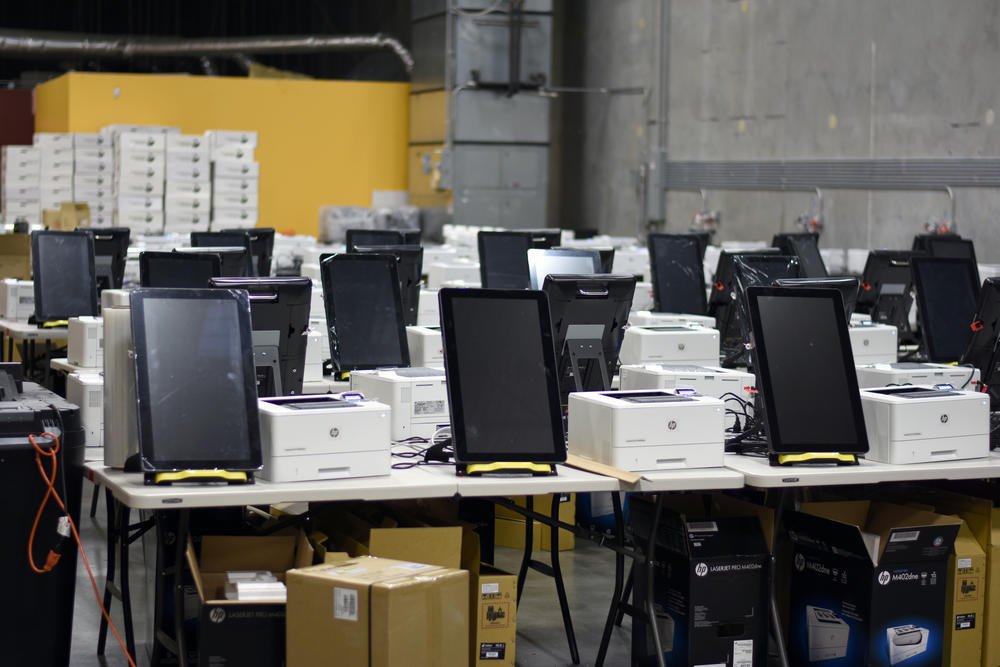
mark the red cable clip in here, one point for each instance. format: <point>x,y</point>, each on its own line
<point>719,285</point>
<point>977,325</point>
<point>750,390</point>
<point>866,286</point>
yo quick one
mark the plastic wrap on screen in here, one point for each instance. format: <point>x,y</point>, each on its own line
<point>121,433</point>
<point>401,218</point>
<point>749,271</point>
<point>334,338</point>
<point>334,221</point>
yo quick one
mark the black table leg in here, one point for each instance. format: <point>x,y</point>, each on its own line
<point>529,544</point>
<point>93,500</point>
<point>777,632</point>
<point>124,542</point>
<point>180,543</point>
<point>616,596</point>
<point>650,581</point>
<point>109,576</point>
<point>560,584</point>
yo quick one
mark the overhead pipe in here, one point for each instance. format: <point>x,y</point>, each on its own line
<point>58,46</point>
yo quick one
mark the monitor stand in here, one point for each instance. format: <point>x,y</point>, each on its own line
<point>505,468</point>
<point>198,476</point>
<point>266,362</point>
<point>813,458</point>
<point>584,344</point>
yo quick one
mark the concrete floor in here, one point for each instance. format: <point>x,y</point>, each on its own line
<point>588,572</point>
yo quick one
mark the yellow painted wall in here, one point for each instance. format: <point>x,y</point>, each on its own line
<point>320,142</point>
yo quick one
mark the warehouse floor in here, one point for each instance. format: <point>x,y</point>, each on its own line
<point>588,571</point>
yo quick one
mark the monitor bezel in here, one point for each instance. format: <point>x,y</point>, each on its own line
<point>448,297</point>
<point>534,253</point>
<point>535,239</point>
<point>698,266</point>
<point>204,257</point>
<point>930,345</point>
<point>46,316</point>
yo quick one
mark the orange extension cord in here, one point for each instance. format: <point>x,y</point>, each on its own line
<point>53,558</point>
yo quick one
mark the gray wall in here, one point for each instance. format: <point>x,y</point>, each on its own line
<point>765,79</point>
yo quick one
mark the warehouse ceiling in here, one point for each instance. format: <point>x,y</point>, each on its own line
<point>186,19</point>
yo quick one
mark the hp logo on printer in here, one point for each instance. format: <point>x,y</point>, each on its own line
<point>217,615</point>
<point>944,419</point>
<point>800,562</point>
<point>884,577</point>
<point>701,569</point>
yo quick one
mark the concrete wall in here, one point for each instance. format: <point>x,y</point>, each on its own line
<point>765,79</point>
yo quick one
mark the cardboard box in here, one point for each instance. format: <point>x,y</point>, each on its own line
<point>226,168</point>
<point>234,217</point>
<point>188,172</point>
<point>236,185</point>
<point>710,594</point>
<point>234,632</point>
<point>377,612</point>
<point>73,215</point>
<point>508,536</point>
<point>868,583</point>
<point>84,165</point>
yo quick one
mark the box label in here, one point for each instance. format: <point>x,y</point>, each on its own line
<point>743,653</point>
<point>345,604</point>
<point>494,651</point>
<point>965,621</point>
<point>428,407</point>
<point>964,563</point>
<point>490,589</point>
<point>967,589</point>
<point>496,615</point>
<point>906,536</point>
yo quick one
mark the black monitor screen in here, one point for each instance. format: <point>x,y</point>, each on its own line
<point>234,239</point>
<point>750,270</point>
<point>947,291</point>
<point>110,250</point>
<point>236,262</point>
<point>503,257</point>
<point>984,343</point>
<point>806,248</point>
<point>883,267</point>
<point>805,371</point>
<point>409,268</point>
<point>588,308</point>
<point>848,288</point>
<point>195,379</point>
<point>364,313</point>
<point>261,247</point>
<point>678,276</point>
<point>375,237</point>
<point>65,275</point>
<point>279,312</point>
<point>178,269</point>
<point>501,370</point>
<point>724,280</point>
<point>542,262</point>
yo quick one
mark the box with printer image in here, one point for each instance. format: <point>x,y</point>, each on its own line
<point>868,584</point>
<point>710,587</point>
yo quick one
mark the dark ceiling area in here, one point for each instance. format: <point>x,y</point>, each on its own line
<point>223,18</point>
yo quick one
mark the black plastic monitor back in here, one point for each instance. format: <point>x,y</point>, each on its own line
<point>364,312</point>
<point>983,347</point>
<point>409,268</point>
<point>588,307</point>
<point>261,246</point>
<point>724,281</point>
<point>380,237</point>
<point>848,288</point>
<point>503,256</point>
<point>675,260</point>
<point>545,261</point>
<point>947,294</point>
<point>607,256</point>
<point>883,267</point>
<point>236,261</point>
<point>805,246</point>
<point>110,252</point>
<point>239,238</point>
<point>178,269</point>
<point>62,265</point>
<point>279,312</point>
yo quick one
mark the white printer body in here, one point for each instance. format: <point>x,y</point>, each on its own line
<point>827,634</point>
<point>873,343</point>
<point>910,372</point>
<point>705,380</point>
<point>115,297</point>
<point>632,262</point>
<point>905,642</point>
<point>682,344</point>
<point>315,437</point>
<point>642,296</point>
<point>85,342</point>
<point>427,310</point>
<point>17,299</point>
<point>647,430</point>
<point>464,270</point>
<point>921,424</point>
<point>313,369</point>
<point>86,390</point>
<point>426,346</point>
<point>418,398</point>
<point>647,318</point>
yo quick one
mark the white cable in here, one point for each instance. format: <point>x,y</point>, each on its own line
<point>475,15</point>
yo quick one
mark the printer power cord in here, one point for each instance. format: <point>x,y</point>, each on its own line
<point>64,521</point>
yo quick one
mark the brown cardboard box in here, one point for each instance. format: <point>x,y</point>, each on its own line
<point>73,215</point>
<point>15,256</point>
<point>963,639</point>
<point>495,608</point>
<point>543,538</point>
<point>239,632</point>
<point>377,612</point>
<point>510,533</point>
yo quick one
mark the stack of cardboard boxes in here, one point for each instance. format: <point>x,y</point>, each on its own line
<point>235,179</point>
<point>140,169</point>
<point>188,202</point>
<point>56,168</point>
<point>21,169</point>
<point>94,176</point>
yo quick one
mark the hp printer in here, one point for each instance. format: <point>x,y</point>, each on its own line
<point>426,346</point>
<point>704,380</point>
<point>827,634</point>
<point>911,372</point>
<point>418,398</point>
<point>688,344</point>
<point>905,642</point>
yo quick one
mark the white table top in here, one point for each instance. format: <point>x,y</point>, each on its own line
<point>757,472</point>
<point>25,331</point>
<point>62,364</point>
<point>567,480</point>
<point>689,479</point>
<point>400,485</point>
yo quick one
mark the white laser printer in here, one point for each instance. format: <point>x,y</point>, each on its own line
<point>426,346</point>
<point>115,297</point>
<point>911,372</point>
<point>905,641</point>
<point>418,398</point>
<point>465,270</point>
<point>647,430</point>
<point>642,296</point>
<point>86,390</point>
<point>827,634</point>
<point>323,436</point>
<point>873,343</point>
<point>647,318</point>
<point>920,424</point>
<point>704,380</point>
<point>427,311</point>
<point>689,344</point>
<point>17,299</point>
<point>85,342</point>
